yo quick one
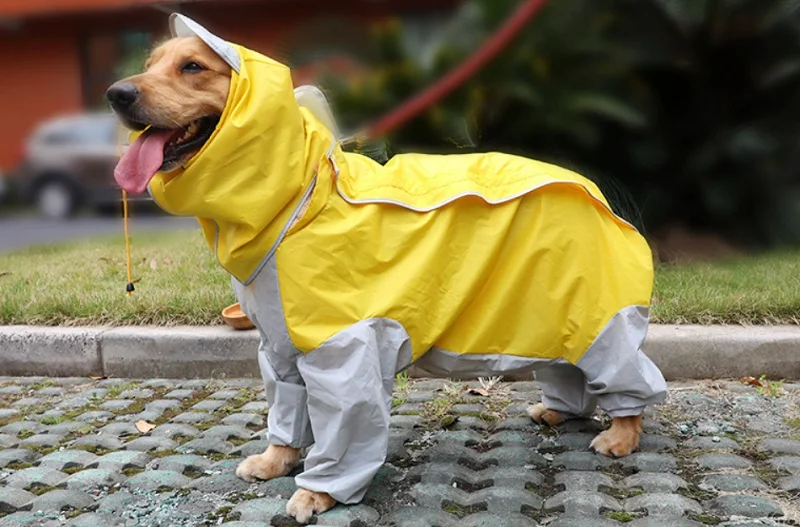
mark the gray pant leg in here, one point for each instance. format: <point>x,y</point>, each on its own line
<point>617,371</point>
<point>564,390</point>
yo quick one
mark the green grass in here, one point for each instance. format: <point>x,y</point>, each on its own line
<point>83,283</point>
<point>180,282</point>
<point>763,289</point>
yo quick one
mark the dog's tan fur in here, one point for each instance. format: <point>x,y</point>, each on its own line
<point>170,98</point>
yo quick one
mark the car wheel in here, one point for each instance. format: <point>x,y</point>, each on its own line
<point>55,199</point>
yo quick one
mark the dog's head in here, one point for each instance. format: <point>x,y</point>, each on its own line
<point>178,99</point>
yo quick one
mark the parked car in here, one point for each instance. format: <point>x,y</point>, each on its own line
<point>69,163</point>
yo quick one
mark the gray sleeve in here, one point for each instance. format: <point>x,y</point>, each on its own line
<point>349,384</point>
<point>287,420</point>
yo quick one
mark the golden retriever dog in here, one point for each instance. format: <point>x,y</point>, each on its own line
<point>343,305</point>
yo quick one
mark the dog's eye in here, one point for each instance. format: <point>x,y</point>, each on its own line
<point>191,67</point>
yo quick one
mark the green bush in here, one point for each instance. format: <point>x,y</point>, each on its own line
<point>687,108</point>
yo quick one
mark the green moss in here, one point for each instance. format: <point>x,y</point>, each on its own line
<point>620,516</point>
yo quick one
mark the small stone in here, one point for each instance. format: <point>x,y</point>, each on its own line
<point>208,445</point>
<point>59,500</point>
<point>157,480</point>
<point>94,479</point>
<point>743,505</point>
<point>172,430</point>
<point>244,420</point>
<point>13,498</point>
<point>722,461</point>
<point>122,460</point>
<point>151,444</point>
<point>732,483</point>
<point>34,477</point>
<point>17,455</point>
<point>67,459</point>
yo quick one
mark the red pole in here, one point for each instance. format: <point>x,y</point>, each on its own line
<point>456,77</point>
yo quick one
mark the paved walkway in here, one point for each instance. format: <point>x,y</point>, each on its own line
<point>718,453</point>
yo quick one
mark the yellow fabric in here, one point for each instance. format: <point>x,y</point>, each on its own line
<point>241,192</point>
<point>514,256</point>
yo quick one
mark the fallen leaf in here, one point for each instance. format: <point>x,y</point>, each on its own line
<point>478,391</point>
<point>751,381</point>
<point>98,378</point>
<point>144,427</point>
<point>153,265</point>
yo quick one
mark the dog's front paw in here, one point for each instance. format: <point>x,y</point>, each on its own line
<point>621,439</point>
<point>305,503</point>
<point>277,461</point>
<point>542,415</point>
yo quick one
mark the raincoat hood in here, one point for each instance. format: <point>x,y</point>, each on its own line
<point>246,182</point>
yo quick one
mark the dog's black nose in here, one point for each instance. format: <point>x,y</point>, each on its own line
<point>122,94</point>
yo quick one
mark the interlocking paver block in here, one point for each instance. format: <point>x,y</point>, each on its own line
<point>151,444</point>
<point>227,432</point>
<point>255,510</point>
<point>42,441</point>
<point>183,464</point>
<point>579,503</point>
<point>723,461</point>
<point>156,480</point>
<point>654,482</point>
<point>711,443</point>
<point>59,500</point>
<point>33,477</point>
<point>13,498</point>
<point>244,419</point>
<point>732,483</point>
<point>583,481</point>
<point>23,427</point>
<point>98,441</point>
<point>94,478</point>
<point>663,504</point>
<point>780,446</point>
<point>179,394</point>
<point>743,505</point>
<point>193,418</point>
<point>786,464</point>
<point>206,445</point>
<point>67,459</point>
<point>17,455</point>
<point>122,460</point>
<point>173,430</point>
<point>650,462</point>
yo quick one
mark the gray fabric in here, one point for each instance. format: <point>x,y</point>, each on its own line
<point>617,371</point>
<point>564,390</point>
<point>337,397</point>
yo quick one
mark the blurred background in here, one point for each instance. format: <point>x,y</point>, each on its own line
<point>685,112</point>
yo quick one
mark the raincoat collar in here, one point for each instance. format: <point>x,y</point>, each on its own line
<point>249,181</point>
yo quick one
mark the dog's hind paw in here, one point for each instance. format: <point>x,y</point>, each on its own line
<point>542,415</point>
<point>305,503</point>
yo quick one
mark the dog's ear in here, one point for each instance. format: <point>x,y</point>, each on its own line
<point>312,98</point>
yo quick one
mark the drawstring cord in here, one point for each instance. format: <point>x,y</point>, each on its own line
<point>129,288</point>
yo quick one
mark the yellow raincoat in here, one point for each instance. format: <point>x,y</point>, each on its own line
<point>477,253</point>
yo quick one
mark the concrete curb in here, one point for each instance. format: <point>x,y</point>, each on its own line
<point>682,352</point>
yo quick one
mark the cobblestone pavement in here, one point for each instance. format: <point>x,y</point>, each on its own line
<point>718,453</point>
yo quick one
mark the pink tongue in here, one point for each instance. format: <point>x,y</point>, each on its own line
<point>142,160</point>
